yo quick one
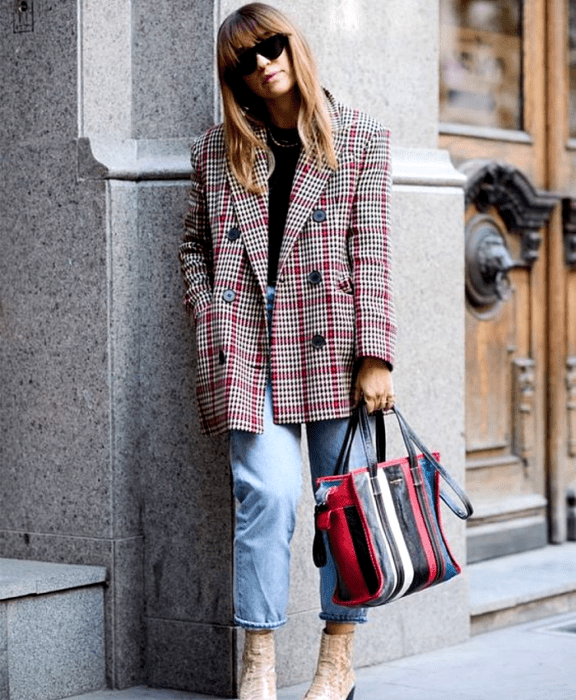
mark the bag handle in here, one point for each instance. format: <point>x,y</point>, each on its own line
<point>344,456</point>
<point>359,420</point>
<point>462,512</point>
<point>380,437</point>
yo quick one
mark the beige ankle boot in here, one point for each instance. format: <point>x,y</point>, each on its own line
<point>258,678</point>
<point>334,679</point>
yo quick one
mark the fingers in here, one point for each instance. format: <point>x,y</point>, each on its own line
<point>374,385</point>
<point>376,396</point>
<point>370,404</point>
<point>365,393</point>
<point>389,402</point>
<point>383,402</point>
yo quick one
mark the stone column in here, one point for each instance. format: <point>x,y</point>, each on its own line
<point>101,461</point>
<point>147,87</point>
<point>65,496</point>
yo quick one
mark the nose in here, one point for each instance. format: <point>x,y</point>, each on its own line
<point>262,61</point>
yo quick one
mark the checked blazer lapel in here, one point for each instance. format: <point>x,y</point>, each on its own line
<point>252,212</point>
<point>252,209</point>
<point>309,181</point>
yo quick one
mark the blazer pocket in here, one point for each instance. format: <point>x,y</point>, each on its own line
<point>345,285</point>
<point>202,309</point>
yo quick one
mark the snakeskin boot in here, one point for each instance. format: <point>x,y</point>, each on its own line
<point>334,679</point>
<point>258,677</point>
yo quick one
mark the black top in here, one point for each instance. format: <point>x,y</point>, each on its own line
<point>280,186</point>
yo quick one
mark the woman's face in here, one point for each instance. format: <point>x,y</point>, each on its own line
<point>272,79</point>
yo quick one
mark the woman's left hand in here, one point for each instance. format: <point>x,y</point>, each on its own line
<point>374,384</point>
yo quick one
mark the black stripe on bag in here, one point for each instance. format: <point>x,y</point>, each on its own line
<point>361,549</point>
<point>396,558</point>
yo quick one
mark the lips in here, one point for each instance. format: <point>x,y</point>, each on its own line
<point>270,76</point>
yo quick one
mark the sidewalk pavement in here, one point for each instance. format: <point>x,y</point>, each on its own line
<point>533,661</point>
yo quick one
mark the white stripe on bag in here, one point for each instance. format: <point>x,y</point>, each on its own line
<point>396,531</point>
<point>364,489</point>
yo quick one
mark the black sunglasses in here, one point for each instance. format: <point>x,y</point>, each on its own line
<point>270,48</point>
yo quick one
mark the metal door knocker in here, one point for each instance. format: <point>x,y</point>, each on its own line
<point>488,262</point>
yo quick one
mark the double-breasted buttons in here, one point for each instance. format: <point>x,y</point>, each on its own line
<point>229,295</point>
<point>318,341</point>
<point>233,234</point>
<point>315,277</point>
<point>319,216</point>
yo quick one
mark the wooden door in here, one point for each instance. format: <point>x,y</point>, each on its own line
<point>561,112</point>
<point>504,75</point>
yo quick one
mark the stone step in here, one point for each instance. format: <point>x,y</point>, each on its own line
<point>522,587</point>
<point>51,630</point>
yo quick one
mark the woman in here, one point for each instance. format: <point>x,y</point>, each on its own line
<point>286,268</point>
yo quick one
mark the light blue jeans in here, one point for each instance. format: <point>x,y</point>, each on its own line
<point>266,470</point>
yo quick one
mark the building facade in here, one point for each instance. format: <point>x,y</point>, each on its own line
<point>101,456</point>
<point>507,116</point>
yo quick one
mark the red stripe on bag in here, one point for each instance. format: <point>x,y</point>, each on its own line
<point>346,560</point>
<point>421,525</point>
<point>342,543</point>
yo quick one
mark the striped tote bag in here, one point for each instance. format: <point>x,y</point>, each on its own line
<point>382,523</point>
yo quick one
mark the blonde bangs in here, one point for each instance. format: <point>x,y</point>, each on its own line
<point>240,31</point>
<point>246,27</point>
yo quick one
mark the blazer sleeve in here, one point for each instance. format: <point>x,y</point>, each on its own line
<point>369,252</point>
<point>196,257</point>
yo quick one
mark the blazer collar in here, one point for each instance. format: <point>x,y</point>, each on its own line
<point>310,179</point>
<point>252,212</point>
<point>252,209</point>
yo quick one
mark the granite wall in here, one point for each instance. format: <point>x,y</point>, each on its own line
<point>102,461</point>
<point>65,493</point>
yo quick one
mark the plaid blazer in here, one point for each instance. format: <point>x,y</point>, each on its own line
<point>333,299</point>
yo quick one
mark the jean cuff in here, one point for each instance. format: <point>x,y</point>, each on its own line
<point>359,619</point>
<point>258,625</point>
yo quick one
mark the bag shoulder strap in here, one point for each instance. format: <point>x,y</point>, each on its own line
<point>359,421</point>
<point>462,512</point>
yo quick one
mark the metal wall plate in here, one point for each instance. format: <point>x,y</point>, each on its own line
<point>23,16</point>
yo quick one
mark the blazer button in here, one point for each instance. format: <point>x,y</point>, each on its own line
<point>318,341</point>
<point>319,215</point>
<point>233,234</point>
<point>315,277</point>
<point>229,295</point>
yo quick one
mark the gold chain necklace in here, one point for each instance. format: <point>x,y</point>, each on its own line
<point>280,144</point>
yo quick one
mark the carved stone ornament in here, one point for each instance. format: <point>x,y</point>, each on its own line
<point>523,209</point>
<point>571,404</point>
<point>569,225</point>
<point>524,388</point>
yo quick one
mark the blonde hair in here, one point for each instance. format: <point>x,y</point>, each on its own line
<point>243,110</point>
